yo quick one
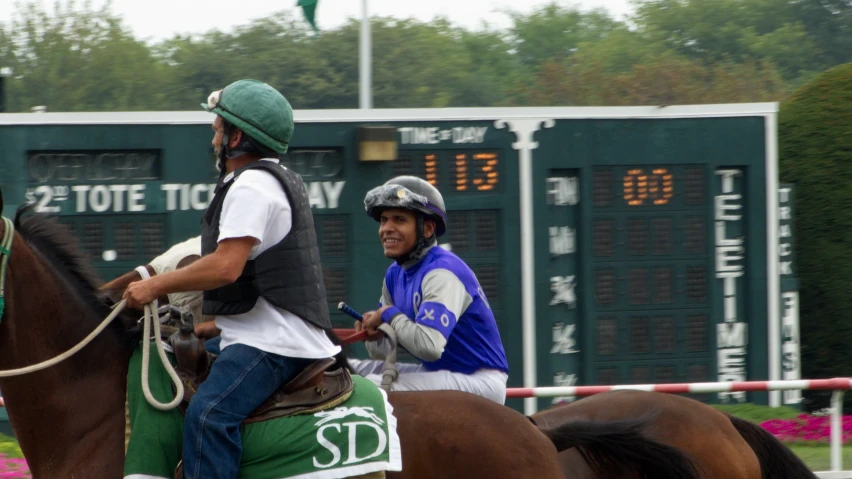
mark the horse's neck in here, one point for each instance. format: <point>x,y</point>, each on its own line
<point>74,406</point>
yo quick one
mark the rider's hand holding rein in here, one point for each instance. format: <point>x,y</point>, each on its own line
<point>214,270</point>
<point>138,294</point>
<point>371,322</point>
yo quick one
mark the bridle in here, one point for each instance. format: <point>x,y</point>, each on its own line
<point>5,253</point>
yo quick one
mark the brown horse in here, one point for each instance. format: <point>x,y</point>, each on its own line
<point>69,418</point>
<point>680,422</point>
<point>722,446</point>
<point>740,449</point>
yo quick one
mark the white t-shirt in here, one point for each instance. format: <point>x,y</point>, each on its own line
<point>257,206</point>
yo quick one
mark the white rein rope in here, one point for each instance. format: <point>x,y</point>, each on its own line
<point>146,359</point>
<point>67,354</point>
<point>147,320</point>
<point>146,354</point>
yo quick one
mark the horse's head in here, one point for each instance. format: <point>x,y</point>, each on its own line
<point>63,364</point>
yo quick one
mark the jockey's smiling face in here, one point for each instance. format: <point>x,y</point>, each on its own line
<point>398,231</point>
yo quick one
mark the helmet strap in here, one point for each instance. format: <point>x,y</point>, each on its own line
<point>226,153</point>
<point>421,245</point>
<point>220,156</point>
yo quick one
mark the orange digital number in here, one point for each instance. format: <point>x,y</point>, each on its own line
<point>481,175</point>
<point>461,172</point>
<point>488,179</point>
<point>431,163</point>
<point>640,187</point>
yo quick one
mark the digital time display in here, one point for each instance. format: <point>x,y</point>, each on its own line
<point>654,187</point>
<point>649,273</point>
<point>463,171</point>
<point>648,186</point>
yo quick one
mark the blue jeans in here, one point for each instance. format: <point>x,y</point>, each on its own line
<point>241,379</point>
<point>212,345</point>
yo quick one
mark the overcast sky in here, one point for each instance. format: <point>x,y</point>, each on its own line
<point>158,19</point>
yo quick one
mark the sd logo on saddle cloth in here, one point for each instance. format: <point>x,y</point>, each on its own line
<point>324,424</point>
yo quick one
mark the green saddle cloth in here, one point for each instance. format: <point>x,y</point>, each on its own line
<point>357,437</point>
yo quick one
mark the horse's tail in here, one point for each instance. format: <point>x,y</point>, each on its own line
<point>776,460</point>
<point>618,449</point>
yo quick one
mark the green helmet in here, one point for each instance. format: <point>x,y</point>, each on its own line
<point>258,110</point>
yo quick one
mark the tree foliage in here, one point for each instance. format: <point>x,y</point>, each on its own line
<point>72,60</point>
<point>76,58</point>
<point>670,52</point>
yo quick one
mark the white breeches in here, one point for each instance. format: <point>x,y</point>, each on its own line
<point>488,383</point>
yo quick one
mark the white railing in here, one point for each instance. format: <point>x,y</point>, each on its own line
<point>837,385</point>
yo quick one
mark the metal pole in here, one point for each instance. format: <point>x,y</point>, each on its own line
<point>773,281</point>
<point>836,430</point>
<point>525,175</point>
<point>366,101</point>
<point>4,72</point>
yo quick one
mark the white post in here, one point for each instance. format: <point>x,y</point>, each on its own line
<point>365,102</point>
<point>836,430</point>
<point>773,280</point>
<point>524,130</point>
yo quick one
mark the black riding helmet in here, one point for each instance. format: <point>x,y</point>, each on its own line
<point>413,194</point>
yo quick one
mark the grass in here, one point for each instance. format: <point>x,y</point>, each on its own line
<point>9,447</point>
<point>756,413</point>
<point>816,456</point>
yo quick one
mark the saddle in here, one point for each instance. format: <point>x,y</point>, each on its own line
<point>314,389</point>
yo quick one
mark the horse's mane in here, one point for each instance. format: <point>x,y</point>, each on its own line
<point>56,244</point>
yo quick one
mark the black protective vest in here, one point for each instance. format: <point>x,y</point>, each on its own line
<point>288,275</point>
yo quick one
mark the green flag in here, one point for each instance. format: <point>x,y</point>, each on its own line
<point>310,9</point>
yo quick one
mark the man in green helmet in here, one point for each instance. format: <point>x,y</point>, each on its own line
<point>260,272</point>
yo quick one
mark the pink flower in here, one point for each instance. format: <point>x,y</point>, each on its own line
<point>807,428</point>
<point>13,468</point>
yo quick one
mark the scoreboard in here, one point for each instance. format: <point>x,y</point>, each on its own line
<point>615,245</point>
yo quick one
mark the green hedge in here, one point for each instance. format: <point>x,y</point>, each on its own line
<point>815,147</point>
